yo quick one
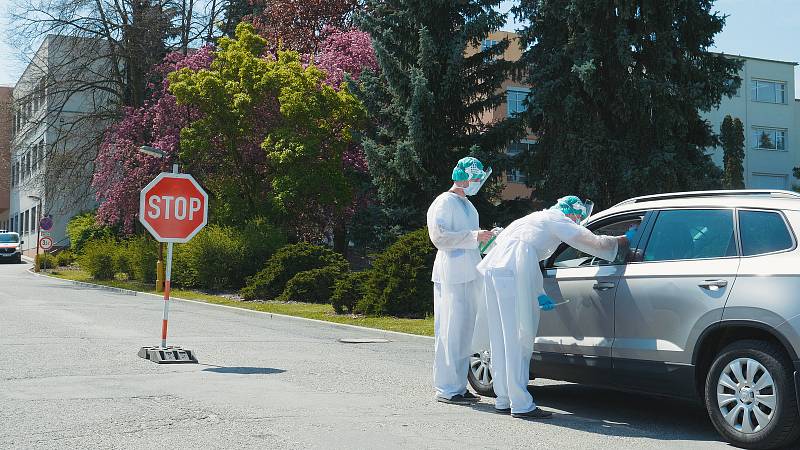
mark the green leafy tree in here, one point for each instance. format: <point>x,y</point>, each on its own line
<point>732,138</point>
<point>271,136</point>
<point>427,102</point>
<point>619,88</point>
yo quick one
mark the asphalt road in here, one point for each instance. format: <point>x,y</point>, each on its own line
<point>70,378</point>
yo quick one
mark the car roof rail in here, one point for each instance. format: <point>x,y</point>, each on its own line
<point>725,193</point>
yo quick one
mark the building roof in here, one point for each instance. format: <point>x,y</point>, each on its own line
<point>793,63</point>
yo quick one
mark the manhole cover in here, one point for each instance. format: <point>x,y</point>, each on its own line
<point>363,341</point>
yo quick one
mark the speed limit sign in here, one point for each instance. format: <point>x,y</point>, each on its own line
<point>46,243</point>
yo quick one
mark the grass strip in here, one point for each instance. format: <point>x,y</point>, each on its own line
<point>422,327</point>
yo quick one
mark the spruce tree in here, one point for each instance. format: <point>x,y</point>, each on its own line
<point>732,139</point>
<point>427,100</point>
<point>618,91</point>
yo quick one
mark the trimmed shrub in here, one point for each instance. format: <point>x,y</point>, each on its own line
<point>311,286</point>
<point>122,262</point>
<point>400,280</point>
<point>83,229</point>
<point>45,261</point>
<point>287,262</point>
<point>348,290</point>
<point>142,252</point>
<point>65,258</point>
<point>98,259</point>
<point>259,241</point>
<point>211,260</point>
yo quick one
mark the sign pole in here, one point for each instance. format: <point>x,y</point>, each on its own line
<point>167,278</point>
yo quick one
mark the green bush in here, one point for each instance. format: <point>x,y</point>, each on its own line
<point>45,261</point>
<point>400,280</point>
<point>287,262</point>
<point>98,258</point>
<point>312,286</point>
<point>83,229</point>
<point>260,241</point>
<point>122,262</point>
<point>211,260</point>
<point>65,258</point>
<point>348,290</point>
<point>142,253</point>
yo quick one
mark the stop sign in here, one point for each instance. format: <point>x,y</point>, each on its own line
<point>173,207</point>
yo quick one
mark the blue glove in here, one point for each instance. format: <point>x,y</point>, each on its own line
<point>546,303</point>
<point>631,233</point>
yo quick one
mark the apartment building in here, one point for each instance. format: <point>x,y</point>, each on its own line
<point>6,127</point>
<point>515,91</point>
<point>766,105</point>
<point>53,117</point>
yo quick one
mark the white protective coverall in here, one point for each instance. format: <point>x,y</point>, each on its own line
<point>513,282</point>
<point>460,325</point>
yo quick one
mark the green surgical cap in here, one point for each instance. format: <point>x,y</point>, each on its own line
<point>571,205</point>
<point>468,168</point>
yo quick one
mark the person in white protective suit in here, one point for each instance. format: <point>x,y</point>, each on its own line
<point>460,326</point>
<point>514,293</point>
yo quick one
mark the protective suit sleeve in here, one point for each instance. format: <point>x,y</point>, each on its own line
<point>444,238</point>
<point>580,238</point>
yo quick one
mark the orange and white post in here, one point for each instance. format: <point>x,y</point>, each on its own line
<point>167,278</point>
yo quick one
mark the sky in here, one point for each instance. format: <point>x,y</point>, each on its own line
<point>766,29</point>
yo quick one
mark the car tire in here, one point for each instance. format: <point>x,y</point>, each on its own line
<point>479,374</point>
<point>750,395</point>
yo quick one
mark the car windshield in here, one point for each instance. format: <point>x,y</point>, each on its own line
<point>9,238</point>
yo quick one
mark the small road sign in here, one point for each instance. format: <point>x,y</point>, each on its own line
<point>46,223</point>
<point>46,243</point>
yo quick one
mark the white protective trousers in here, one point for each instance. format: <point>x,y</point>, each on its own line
<point>456,309</point>
<point>511,349</point>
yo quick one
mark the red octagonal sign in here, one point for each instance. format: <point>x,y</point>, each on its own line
<point>173,207</point>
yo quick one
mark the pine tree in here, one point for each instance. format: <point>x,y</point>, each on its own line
<point>618,90</point>
<point>732,138</point>
<point>427,100</point>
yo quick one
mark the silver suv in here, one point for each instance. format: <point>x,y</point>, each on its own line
<point>704,306</point>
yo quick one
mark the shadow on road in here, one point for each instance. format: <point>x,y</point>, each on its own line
<point>245,370</point>
<point>614,413</point>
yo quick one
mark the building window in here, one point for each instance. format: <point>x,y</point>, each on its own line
<point>516,175</point>
<point>487,44</point>
<point>769,138</point>
<point>768,181</point>
<point>26,218</point>
<point>515,100</point>
<point>768,91</point>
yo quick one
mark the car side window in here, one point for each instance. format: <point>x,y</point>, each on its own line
<point>763,232</point>
<point>570,257</point>
<point>691,234</point>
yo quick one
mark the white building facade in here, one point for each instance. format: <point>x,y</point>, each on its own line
<point>49,107</point>
<point>766,105</point>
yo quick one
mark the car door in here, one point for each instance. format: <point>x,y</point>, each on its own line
<point>580,332</point>
<point>678,288</point>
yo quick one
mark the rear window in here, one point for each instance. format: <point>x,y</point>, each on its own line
<point>763,232</point>
<point>691,234</point>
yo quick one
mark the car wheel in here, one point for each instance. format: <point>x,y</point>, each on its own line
<point>480,373</point>
<point>750,396</point>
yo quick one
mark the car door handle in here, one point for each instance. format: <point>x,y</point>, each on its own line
<point>713,285</point>
<point>604,286</point>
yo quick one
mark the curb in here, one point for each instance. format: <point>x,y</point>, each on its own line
<point>137,293</point>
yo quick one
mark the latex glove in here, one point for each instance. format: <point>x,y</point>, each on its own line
<point>546,303</point>
<point>631,233</point>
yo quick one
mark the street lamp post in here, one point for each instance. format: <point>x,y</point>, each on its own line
<point>36,265</point>
<point>160,273</point>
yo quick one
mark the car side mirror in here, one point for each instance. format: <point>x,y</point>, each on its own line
<point>21,242</point>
